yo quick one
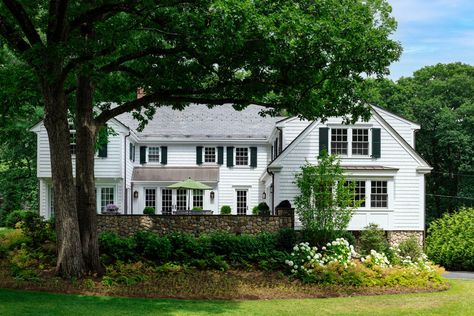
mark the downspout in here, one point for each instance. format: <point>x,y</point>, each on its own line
<point>272,187</point>
<point>125,171</point>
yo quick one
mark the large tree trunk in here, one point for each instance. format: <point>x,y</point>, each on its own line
<point>70,262</point>
<point>86,132</point>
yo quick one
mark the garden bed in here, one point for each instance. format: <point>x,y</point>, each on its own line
<point>198,284</point>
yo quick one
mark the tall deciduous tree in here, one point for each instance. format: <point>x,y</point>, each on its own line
<point>441,99</point>
<point>309,57</point>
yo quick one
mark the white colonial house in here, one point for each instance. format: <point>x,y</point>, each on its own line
<point>246,159</point>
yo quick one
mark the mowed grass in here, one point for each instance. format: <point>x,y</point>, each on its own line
<point>458,300</point>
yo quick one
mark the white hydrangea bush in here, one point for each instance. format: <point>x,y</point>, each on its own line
<point>376,259</point>
<point>304,259</point>
<point>338,251</point>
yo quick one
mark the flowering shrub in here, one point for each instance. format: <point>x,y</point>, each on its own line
<point>338,251</point>
<point>304,259</point>
<point>376,259</point>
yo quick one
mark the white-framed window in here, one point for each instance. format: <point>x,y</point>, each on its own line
<point>153,154</point>
<point>198,198</point>
<point>241,156</point>
<point>360,141</point>
<point>107,196</point>
<point>150,198</point>
<point>241,202</point>
<point>209,154</point>
<point>132,152</point>
<point>378,194</point>
<point>339,141</point>
<point>72,142</point>
<point>359,191</point>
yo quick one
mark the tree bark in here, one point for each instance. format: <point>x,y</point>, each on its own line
<point>86,134</point>
<point>70,262</point>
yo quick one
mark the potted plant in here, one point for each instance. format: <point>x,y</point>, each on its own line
<point>111,209</point>
<point>149,210</point>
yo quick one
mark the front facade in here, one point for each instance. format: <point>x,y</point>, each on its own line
<point>247,159</point>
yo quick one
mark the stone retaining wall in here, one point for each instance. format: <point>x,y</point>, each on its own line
<point>126,225</point>
<point>395,237</point>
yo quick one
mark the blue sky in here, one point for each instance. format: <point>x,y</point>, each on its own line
<point>431,32</point>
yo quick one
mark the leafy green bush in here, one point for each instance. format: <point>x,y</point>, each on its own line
<point>149,210</point>
<point>125,273</point>
<point>286,238</point>
<point>37,230</point>
<point>12,239</point>
<point>255,210</point>
<point>261,209</point>
<point>152,247</point>
<point>197,209</point>
<point>410,247</point>
<point>450,240</point>
<point>15,217</point>
<point>226,210</point>
<point>372,238</point>
<point>114,247</point>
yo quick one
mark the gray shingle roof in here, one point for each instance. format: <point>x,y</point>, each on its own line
<point>198,121</point>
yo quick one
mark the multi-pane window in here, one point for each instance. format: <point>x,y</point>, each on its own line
<point>378,194</point>
<point>181,204</point>
<point>154,154</point>
<point>359,192</point>
<point>166,201</point>
<point>241,156</point>
<point>72,142</point>
<point>360,141</point>
<point>198,198</point>
<point>210,154</point>
<point>106,197</point>
<point>339,141</point>
<point>241,202</point>
<point>150,198</point>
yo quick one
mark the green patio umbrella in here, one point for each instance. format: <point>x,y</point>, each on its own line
<point>189,184</point>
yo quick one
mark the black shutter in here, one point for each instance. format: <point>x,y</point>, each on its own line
<point>199,155</point>
<point>130,149</point>
<point>103,151</point>
<point>220,155</point>
<point>230,156</point>
<point>323,139</point>
<point>142,154</point>
<point>133,154</point>
<point>376,151</point>
<point>253,157</point>
<point>164,155</point>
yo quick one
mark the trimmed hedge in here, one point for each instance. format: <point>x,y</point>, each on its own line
<point>450,240</point>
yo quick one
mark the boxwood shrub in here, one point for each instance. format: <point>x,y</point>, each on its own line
<point>450,240</point>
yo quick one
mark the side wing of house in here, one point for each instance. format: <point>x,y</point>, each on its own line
<point>388,172</point>
<point>109,168</point>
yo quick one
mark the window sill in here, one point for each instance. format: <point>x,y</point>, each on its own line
<point>369,210</point>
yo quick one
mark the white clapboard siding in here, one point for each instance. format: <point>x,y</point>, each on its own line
<point>292,128</point>
<point>406,211</point>
<point>109,167</point>
<point>404,128</point>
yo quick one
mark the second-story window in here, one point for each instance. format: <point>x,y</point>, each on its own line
<point>241,156</point>
<point>153,154</point>
<point>339,141</point>
<point>360,141</point>
<point>209,154</point>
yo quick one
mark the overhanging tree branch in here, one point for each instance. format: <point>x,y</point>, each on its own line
<point>102,12</point>
<point>9,33</point>
<point>23,20</point>
<point>171,99</point>
<point>57,24</point>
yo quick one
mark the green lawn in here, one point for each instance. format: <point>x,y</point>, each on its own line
<point>459,300</point>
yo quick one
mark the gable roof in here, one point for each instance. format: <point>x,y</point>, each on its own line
<point>199,121</point>
<point>410,150</point>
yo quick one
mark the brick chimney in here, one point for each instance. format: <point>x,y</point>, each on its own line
<point>140,92</point>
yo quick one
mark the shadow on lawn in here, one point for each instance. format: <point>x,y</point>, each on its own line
<point>15,302</point>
